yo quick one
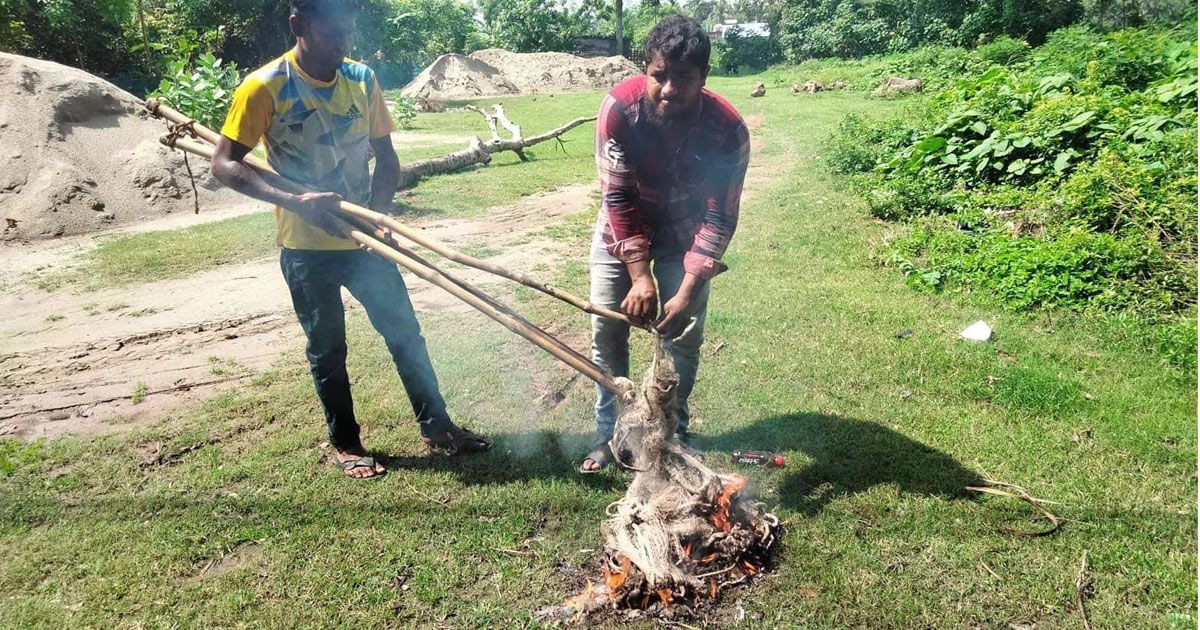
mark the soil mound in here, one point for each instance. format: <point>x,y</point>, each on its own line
<point>556,71</point>
<point>455,76</point>
<point>78,155</point>
<point>496,72</point>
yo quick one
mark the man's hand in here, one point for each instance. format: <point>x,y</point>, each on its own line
<point>642,300</point>
<point>317,208</point>
<point>675,316</point>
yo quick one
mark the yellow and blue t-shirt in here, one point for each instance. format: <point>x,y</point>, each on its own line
<point>316,133</point>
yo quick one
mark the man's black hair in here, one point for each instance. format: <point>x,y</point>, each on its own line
<point>322,8</point>
<point>679,39</point>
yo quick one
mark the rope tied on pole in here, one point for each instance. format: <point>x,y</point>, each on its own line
<point>183,130</point>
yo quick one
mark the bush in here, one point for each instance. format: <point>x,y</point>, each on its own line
<point>201,89</point>
<point>404,112</point>
<point>737,50</point>
<point>1003,51</point>
<point>1068,180</point>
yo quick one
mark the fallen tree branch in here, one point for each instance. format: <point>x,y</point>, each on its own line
<point>481,152</point>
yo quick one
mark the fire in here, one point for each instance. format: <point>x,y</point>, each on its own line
<point>664,594</point>
<point>751,570</point>
<point>712,588</point>
<point>687,549</point>
<point>720,516</point>
<point>615,579</point>
<point>709,558</point>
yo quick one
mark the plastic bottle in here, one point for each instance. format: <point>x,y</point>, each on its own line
<point>757,458</point>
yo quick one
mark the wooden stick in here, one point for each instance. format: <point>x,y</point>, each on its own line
<point>392,224</point>
<point>456,287</point>
<point>1081,586</point>
<point>533,334</point>
<point>374,231</point>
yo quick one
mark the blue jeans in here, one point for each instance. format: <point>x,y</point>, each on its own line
<point>315,279</point>
<point>610,339</point>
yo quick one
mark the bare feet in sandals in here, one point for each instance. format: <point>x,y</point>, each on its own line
<point>356,464</point>
<point>597,460</point>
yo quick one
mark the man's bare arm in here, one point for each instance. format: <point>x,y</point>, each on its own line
<point>229,169</point>
<point>387,174</point>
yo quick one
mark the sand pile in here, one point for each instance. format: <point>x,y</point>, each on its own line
<point>495,72</point>
<point>77,155</point>
<point>455,76</point>
<point>556,71</point>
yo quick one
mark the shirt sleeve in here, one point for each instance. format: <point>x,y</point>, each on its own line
<point>722,192</point>
<point>618,188</point>
<point>377,112</point>
<point>249,113</point>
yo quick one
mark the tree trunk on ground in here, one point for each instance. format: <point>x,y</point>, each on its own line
<point>479,151</point>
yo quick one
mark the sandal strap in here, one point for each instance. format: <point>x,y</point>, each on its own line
<point>367,462</point>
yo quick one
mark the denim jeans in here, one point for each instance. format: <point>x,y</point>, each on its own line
<point>610,339</point>
<point>315,279</point>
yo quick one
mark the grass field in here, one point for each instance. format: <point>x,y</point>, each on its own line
<point>227,516</point>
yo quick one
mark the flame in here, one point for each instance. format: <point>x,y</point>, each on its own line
<point>709,558</point>
<point>751,570</point>
<point>687,549</point>
<point>712,588</point>
<point>664,594</point>
<point>615,579</point>
<point>720,516</point>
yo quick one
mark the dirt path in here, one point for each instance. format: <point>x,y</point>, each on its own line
<point>171,342</point>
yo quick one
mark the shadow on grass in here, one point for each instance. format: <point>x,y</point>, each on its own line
<point>515,458</point>
<point>848,456</point>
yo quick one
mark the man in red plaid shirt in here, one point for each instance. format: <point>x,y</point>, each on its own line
<point>672,157</point>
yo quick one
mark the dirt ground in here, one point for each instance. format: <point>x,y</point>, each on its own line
<point>186,339</point>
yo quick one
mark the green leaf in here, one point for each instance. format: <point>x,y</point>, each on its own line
<point>1063,161</point>
<point>979,128</point>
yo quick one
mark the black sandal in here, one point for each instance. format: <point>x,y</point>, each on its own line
<point>601,455</point>
<point>456,439</point>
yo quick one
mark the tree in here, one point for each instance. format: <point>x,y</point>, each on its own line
<point>529,25</point>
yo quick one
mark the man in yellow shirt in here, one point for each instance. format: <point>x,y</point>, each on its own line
<point>320,115</point>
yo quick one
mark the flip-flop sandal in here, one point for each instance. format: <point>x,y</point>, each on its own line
<point>457,440</point>
<point>359,462</point>
<point>601,455</point>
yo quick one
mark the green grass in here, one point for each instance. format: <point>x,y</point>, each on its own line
<point>506,178</point>
<point>165,254</point>
<point>236,521</point>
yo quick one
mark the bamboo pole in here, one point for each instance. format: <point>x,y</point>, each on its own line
<point>158,108</point>
<point>457,287</point>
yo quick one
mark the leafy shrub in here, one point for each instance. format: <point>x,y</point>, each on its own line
<point>201,89</point>
<point>1003,51</point>
<point>404,111</point>
<point>861,143</point>
<point>1068,180</point>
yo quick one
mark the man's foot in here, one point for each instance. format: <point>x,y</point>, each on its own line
<point>455,439</point>
<point>356,464</point>
<point>597,460</point>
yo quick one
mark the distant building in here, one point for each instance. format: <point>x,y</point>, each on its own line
<point>752,29</point>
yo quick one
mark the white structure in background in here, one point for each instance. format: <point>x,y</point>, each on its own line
<point>749,29</point>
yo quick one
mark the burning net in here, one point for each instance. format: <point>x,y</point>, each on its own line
<point>682,532</point>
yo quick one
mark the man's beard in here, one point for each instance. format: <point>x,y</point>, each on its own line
<point>659,120</point>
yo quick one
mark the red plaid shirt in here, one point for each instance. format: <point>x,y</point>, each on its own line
<point>686,202</point>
